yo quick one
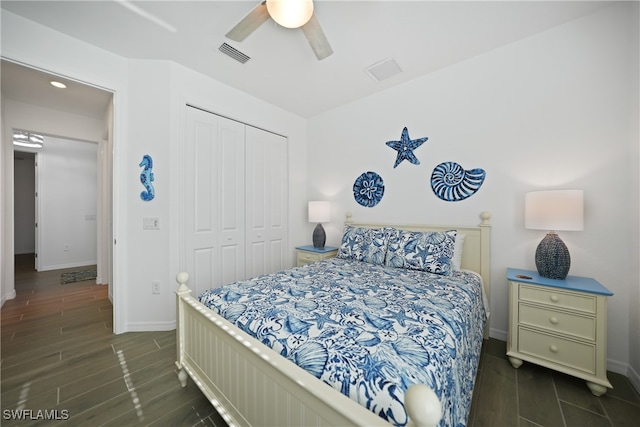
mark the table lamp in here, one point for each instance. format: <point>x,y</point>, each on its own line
<point>319,212</point>
<point>554,210</point>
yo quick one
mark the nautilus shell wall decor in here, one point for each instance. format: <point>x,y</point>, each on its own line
<point>368,189</point>
<point>451,183</point>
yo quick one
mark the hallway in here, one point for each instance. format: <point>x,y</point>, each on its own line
<point>60,360</point>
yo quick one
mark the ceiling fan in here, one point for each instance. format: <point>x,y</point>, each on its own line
<point>290,14</point>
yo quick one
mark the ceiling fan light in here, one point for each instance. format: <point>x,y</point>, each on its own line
<point>290,13</point>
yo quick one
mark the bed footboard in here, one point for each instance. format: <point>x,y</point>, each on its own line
<point>250,384</point>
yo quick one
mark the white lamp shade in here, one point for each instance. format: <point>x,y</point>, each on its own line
<point>290,13</point>
<point>554,210</point>
<point>319,211</point>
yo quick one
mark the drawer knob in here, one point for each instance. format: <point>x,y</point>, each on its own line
<point>553,349</point>
<point>554,298</point>
<point>308,256</point>
<point>553,321</point>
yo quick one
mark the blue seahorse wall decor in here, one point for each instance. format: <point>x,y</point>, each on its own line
<point>146,178</point>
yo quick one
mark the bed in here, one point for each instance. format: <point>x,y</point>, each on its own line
<point>371,310</point>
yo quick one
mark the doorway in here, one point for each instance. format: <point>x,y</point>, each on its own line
<point>63,231</point>
<point>24,207</point>
<point>83,113</point>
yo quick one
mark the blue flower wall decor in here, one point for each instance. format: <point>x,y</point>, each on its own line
<point>405,148</point>
<point>368,189</point>
<point>451,183</point>
<point>146,178</point>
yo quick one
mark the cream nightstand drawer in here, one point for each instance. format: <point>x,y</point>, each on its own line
<point>306,258</point>
<point>308,254</point>
<point>557,321</point>
<point>574,354</point>
<point>568,300</point>
<point>559,324</point>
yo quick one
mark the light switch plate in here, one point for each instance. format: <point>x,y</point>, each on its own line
<point>149,223</point>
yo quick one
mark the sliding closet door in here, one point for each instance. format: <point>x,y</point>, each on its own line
<point>267,200</point>
<point>230,203</point>
<point>214,199</point>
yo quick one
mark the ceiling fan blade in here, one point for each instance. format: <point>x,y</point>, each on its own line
<point>318,41</point>
<point>249,23</point>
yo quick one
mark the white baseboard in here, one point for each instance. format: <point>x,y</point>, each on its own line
<point>617,367</point>
<point>150,326</point>
<point>498,334</point>
<point>10,295</point>
<point>70,265</point>
<point>634,378</point>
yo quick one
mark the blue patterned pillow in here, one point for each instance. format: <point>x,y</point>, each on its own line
<point>363,244</point>
<point>428,251</point>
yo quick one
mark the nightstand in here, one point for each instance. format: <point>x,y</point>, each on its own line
<point>559,324</point>
<point>309,254</point>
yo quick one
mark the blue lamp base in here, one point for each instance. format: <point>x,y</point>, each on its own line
<point>319,236</point>
<point>552,257</point>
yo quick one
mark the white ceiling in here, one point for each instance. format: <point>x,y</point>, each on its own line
<point>421,36</point>
<point>32,86</point>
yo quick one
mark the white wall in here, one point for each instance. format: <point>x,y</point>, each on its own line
<point>7,289</point>
<point>634,159</point>
<point>157,123</point>
<point>24,203</point>
<point>552,111</point>
<point>55,158</point>
<point>29,43</point>
<point>19,115</point>
<point>67,201</point>
<point>148,117</point>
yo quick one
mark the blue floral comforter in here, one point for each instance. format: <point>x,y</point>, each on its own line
<point>368,330</point>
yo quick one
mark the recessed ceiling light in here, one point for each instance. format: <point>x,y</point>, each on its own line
<point>58,84</point>
<point>27,139</point>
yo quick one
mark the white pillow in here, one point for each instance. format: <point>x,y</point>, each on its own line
<point>456,261</point>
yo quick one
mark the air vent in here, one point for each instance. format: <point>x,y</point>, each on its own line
<point>383,70</point>
<point>234,53</point>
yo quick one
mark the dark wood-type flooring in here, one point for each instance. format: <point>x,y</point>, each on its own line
<point>59,355</point>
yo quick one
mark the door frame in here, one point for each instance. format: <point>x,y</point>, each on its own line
<point>109,202</point>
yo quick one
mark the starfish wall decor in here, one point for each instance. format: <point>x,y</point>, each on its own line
<point>405,148</point>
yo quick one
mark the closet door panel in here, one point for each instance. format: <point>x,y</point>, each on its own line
<point>200,198</point>
<point>202,274</point>
<point>278,202</point>
<point>231,201</point>
<point>267,199</point>
<point>278,262</point>
<point>256,259</point>
<point>236,200</point>
<point>256,199</point>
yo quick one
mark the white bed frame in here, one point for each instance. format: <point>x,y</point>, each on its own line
<point>250,384</point>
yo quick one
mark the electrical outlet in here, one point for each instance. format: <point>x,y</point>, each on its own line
<point>155,287</point>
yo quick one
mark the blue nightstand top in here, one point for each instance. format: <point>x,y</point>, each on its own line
<point>311,248</point>
<point>571,283</point>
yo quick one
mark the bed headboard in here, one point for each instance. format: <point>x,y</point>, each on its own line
<point>476,253</point>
